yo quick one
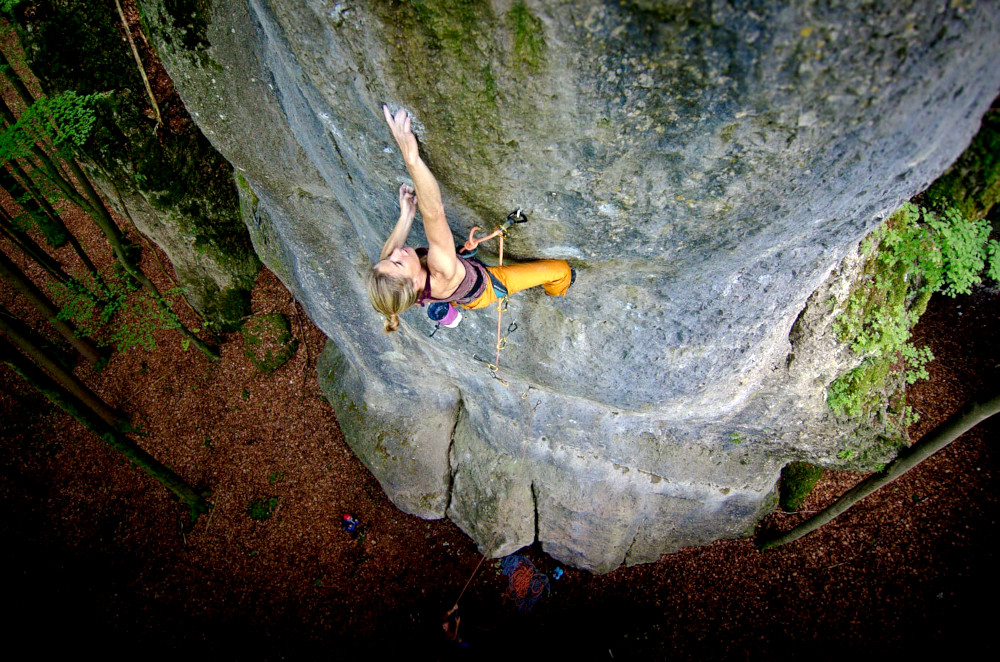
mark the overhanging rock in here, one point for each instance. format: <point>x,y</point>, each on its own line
<point>705,167</point>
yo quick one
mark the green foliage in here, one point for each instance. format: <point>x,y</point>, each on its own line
<point>797,481</point>
<point>275,477</point>
<point>262,508</point>
<point>54,235</point>
<point>64,120</point>
<point>268,342</point>
<point>916,360</point>
<point>993,251</point>
<point>91,307</point>
<point>114,311</point>
<point>914,254</point>
<point>962,244</point>
<point>735,438</point>
<point>945,252</point>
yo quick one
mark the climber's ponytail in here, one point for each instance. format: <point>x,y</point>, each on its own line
<point>390,296</point>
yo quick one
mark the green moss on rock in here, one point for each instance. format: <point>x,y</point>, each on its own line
<point>268,341</point>
<point>529,38</point>
<point>190,19</point>
<point>972,184</point>
<point>228,307</point>
<point>876,323</point>
<point>448,51</point>
<point>797,481</point>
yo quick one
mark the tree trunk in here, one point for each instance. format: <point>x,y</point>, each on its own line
<point>64,356</point>
<point>21,283</point>
<point>50,212</point>
<point>92,203</point>
<point>71,405</point>
<point>944,434</point>
<point>33,250</point>
<point>50,225</point>
<point>32,345</point>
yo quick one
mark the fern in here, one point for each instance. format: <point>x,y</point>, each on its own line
<point>66,120</point>
<point>963,250</point>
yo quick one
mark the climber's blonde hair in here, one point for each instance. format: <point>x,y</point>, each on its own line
<point>390,296</point>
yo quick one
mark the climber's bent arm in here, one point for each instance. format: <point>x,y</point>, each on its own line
<point>441,259</point>
<point>397,239</point>
<point>407,210</point>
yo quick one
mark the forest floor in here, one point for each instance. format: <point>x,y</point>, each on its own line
<point>101,554</point>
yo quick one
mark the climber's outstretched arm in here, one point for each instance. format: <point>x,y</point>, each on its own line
<point>441,259</point>
<point>407,210</point>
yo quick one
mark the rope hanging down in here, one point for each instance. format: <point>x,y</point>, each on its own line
<point>469,247</point>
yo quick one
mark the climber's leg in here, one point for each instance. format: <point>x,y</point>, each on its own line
<point>554,275</point>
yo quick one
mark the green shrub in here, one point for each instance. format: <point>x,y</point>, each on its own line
<point>914,254</point>
<point>114,312</point>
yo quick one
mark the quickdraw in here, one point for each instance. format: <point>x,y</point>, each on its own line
<point>469,249</point>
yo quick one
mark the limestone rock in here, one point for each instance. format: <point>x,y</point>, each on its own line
<point>704,166</point>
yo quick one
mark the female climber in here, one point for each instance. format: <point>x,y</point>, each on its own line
<point>404,276</point>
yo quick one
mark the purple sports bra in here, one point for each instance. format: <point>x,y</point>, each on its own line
<point>470,289</point>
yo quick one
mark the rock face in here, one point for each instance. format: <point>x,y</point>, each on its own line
<point>706,167</point>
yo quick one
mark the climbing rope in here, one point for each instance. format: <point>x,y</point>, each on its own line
<point>525,589</point>
<point>526,584</point>
<point>470,247</point>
